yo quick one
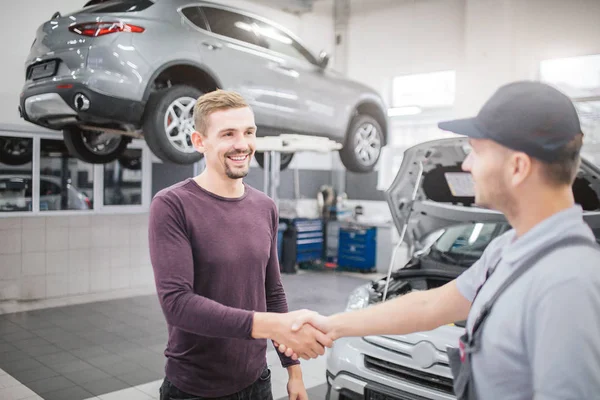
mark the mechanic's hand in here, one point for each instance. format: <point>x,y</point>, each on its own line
<point>306,341</point>
<point>317,320</point>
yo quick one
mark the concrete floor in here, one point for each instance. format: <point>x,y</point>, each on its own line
<point>114,349</point>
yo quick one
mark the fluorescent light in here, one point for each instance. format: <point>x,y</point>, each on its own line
<point>403,111</point>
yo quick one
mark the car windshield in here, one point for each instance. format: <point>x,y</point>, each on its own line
<point>464,244</point>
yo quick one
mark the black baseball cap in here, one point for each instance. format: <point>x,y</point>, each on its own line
<point>526,116</point>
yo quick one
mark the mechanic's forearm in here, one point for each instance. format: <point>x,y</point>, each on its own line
<point>413,312</point>
<point>399,316</point>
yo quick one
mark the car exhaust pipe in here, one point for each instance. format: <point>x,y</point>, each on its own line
<point>81,102</point>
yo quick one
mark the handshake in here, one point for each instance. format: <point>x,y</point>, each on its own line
<point>298,334</point>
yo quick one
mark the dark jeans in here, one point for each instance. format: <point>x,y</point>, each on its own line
<point>259,390</point>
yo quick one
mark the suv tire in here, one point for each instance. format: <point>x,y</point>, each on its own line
<point>364,132</point>
<point>163,106</point>
<point>76,140</point>
<point>286,159</point>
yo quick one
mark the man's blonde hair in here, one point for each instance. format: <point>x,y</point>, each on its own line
<point>215,101</point>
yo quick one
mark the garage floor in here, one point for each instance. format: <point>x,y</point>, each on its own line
<point>114,349</point>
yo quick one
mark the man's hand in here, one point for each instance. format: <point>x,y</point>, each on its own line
<point>321,323</point>
<point>295,386</point>
<point>306,341</point>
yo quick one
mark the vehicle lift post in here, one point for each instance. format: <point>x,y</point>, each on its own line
<point>273,146</point>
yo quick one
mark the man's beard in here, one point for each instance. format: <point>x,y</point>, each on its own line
<point>237,174</point>
<point>496,197</point>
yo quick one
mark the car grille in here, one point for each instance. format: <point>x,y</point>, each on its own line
<point>417,377</point>
<point>397,395</point>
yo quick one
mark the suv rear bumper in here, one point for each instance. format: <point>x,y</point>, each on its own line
<point>52,105</point>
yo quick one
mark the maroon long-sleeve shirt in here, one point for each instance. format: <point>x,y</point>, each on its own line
<point>215,264</point>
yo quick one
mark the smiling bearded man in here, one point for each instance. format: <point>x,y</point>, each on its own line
<point>213,246</point>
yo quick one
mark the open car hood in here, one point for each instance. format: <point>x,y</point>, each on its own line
<point>443,195</point>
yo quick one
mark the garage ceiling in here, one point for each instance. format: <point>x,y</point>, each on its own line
<point>305,6</point>
<point>292,6</point>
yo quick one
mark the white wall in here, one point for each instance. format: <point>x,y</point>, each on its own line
<point>316,29</point>
<point>397,37</point>
<point>488,42</point>
<point>506,41</point>
<point>57,256</point>
<point>22,18</point>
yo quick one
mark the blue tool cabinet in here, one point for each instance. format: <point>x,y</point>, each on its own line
<point>309,239</point>
<point>280,230</point>
<point>357,248</point>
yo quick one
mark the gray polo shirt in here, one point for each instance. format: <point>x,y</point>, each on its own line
<point>542,338</point>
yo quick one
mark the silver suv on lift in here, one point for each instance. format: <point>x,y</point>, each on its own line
<point>431,197</point>
<point>119,69</point>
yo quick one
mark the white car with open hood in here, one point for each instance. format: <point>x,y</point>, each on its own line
<point>446,233</point>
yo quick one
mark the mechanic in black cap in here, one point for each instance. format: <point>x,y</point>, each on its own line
<point>541,339</point>
<point>530,117</point>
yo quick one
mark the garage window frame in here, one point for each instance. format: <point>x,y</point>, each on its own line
<point>98,180</point>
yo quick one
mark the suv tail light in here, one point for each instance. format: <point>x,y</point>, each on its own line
<point>95,29</point>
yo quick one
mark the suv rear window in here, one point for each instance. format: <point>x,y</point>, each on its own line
<point>120,6</point>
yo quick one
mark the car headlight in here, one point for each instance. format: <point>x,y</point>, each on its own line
<point>359,298</point>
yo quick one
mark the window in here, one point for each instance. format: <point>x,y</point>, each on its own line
<point>66,183</point>
<point>579,78</point>
<point>589,115</point>
<point>412,94</point>
<point>276,40</point>
<point>39,176</point>
<point>195,16</point>
<point>256,32</point>
<point>123,180</point>
<point>230,24</point>
<point>123,6</point>
<point>16,155</point>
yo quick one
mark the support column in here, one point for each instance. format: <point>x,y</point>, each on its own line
<point>341,16</point>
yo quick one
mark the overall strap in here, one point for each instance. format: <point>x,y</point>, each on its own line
<point>525,266</point>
